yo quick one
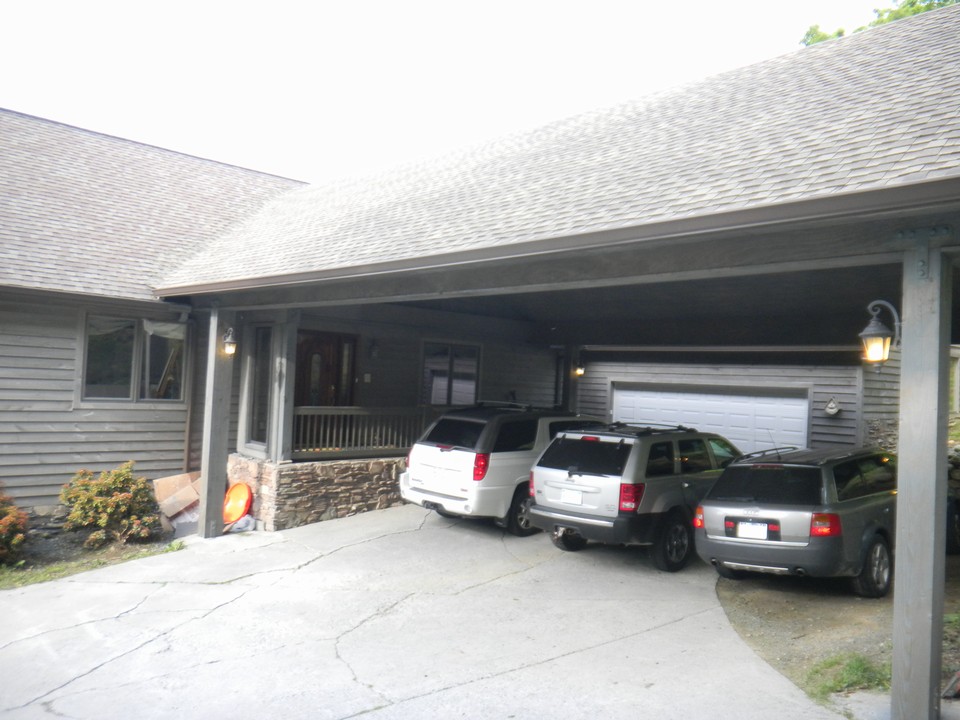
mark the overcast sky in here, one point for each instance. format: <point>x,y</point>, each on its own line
<point>317,90</point>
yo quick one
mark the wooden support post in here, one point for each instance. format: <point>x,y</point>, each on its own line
<point>216,422</point>
<point>921,500</point>
<point>280,443</point>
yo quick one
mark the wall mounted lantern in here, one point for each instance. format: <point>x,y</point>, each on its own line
<point>877,338</point>
<point>579,370</point>
<point>229,342</point>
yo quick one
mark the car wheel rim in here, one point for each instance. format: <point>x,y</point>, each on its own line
<point>677,543</point>
<point>881,566</point>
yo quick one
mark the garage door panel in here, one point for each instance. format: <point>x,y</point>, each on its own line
<point>751,422</point>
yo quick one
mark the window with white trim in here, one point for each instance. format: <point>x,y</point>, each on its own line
<point>127,359</point>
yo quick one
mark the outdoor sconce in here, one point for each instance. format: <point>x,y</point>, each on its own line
<point>579,370</point>
<point>229,342</point>
<point>877,337</point>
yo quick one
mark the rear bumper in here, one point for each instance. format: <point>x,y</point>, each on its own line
<point>478,502</point>
<point>821,557</point>
<point>619,530</point>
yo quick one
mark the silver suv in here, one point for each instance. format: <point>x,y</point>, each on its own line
<point>823,513</point>
<point>475,462</point>
<point>627,485</point>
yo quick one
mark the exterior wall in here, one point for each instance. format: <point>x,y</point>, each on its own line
<point>881,404</point>
<point>46,432</point>
<point>292,494</point>
<point>821,382</point>
<point>390,344</point>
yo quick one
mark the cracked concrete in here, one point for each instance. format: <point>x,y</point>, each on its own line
<point>396,613</point>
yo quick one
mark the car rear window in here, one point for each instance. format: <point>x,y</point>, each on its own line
<point>589,456</point>
<point>774,485</point>
<point>456,432</point>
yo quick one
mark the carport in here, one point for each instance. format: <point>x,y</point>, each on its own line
<point>753,215</point>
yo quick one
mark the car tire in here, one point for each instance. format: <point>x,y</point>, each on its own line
<point>568,540</point>
<point>517,522</point>
<point>876,576</point>
<point>674,544</point>
<point>953,527</point>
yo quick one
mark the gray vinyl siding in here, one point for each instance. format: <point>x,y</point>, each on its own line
<point>45,435</point>
<point>881,403</point>
<point>519,373</point>
<point>819,383</point>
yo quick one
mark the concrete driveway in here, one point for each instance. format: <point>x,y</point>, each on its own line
<point>390,614</point>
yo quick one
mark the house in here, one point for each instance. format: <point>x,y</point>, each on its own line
<point>715,247</point>
<point>94,369</point>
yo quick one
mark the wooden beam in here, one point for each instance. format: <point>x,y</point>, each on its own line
<point>921,501</point>
<point>280,445</point>
<point>216,422</point>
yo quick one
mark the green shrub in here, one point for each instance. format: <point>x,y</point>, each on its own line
<point>13,529</point>
<point>116,504</point>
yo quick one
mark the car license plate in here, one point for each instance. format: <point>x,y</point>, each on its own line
<point>752,530</point>
<point>571,497</point>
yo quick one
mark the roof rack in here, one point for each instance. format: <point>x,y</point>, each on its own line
<point>502,403</point>
<point>652,427</point>
<point>769,451</point>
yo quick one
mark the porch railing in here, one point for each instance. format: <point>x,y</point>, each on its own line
<point>345,432</point>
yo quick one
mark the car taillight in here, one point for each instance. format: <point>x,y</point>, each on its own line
<point>698,517</point>
<point>825,525</point>
<point>630,496</point>
<point>481,461</point>
<point>530,490</point>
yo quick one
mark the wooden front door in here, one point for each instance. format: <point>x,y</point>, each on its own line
<point>324,369</point>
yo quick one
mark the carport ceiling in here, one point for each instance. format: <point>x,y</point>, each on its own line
<point>824,307</point>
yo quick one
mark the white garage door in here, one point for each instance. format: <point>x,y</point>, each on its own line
<point>751,422</point>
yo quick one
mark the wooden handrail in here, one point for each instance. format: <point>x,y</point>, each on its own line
<point>344,432</point>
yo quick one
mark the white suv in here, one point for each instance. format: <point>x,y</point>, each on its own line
<point>475,462</point>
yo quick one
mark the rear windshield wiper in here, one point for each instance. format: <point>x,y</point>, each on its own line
<point>577,471</point>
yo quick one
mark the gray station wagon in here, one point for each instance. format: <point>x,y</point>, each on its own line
<point>822,513</point>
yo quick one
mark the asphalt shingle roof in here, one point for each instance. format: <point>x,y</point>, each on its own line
<point>82,212</point>
<point>874,110</point>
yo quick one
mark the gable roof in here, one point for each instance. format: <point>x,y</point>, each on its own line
<point>82,212</point>
<point>875,110</point>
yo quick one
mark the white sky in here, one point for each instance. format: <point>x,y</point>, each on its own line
<point>316,90</point>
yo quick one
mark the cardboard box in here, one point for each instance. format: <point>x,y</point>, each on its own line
<point>175,493</point>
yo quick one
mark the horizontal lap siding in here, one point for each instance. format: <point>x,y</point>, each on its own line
<point>820,382</point>
<point>44,438</point>
<point>523,374</point>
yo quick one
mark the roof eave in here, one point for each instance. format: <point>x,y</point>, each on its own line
<point>927,196</point>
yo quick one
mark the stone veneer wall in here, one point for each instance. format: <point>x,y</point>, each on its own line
<point>292,494</point>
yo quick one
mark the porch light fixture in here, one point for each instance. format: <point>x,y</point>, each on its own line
<point>877,338</point>
<point>579,370</point>
<point>229,342</point>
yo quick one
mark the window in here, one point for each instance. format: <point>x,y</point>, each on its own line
<point>127,359</point>
<point>260,389</point>
<point>516,435</point>
<point>450,374</point>
<point>723,452</point>
<point>660,461</point>
<point>693,456</point>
